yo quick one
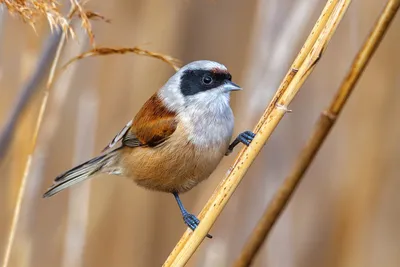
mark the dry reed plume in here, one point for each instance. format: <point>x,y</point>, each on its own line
<point>85,23</point>
<point>94,15</point>
<point>33,10</point>
<point>103,51</point>
<point>30,11</point>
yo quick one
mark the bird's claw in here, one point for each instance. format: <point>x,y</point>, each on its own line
<point>192,222</point>
<point>246,137</point>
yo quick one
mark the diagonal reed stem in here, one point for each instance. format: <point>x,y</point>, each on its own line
<point>32,86</point>
<point>306,60</point>
<point>321,131</point>
<point>305,50</point>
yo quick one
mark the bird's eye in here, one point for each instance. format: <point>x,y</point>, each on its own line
<point>207,80</point>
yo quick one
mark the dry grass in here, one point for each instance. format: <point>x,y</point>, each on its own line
<point>103,51</point>
<point>321,131</point>
<point>84,21</point>
<point>190,241</point>
<point>32,11</point>
<point>94,15</point>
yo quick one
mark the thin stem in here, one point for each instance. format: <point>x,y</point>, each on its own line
<point>32,86</point>
<point>44,66</point>
<point>305,50</point>
<point>21,192</point>
<point>321,131</point>
<point>190,241</point>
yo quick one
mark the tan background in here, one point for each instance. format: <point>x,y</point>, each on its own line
<point>346,211</point>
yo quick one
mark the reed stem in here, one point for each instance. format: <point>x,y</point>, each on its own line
<point>312,51</point>
<point>322,128</point>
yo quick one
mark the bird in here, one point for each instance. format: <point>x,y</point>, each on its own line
<point>175,141</point>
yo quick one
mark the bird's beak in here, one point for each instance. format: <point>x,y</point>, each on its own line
<point>231,86</point>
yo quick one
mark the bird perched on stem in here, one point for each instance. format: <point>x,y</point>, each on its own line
<point>176,140</point>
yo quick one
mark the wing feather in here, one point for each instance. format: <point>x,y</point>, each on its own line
<point>119,136</point>
<point>152,125</point>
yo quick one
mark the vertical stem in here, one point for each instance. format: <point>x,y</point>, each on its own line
<point>21,191</point>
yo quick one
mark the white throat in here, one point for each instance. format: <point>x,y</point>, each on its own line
<point>208,119</point>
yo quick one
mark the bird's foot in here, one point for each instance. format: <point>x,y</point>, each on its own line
<point>246,137</point>
<point>192,222</point>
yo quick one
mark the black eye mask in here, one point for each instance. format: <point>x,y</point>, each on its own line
<point>196,81</point>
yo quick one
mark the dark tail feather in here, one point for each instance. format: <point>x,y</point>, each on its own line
<point>80,173</point>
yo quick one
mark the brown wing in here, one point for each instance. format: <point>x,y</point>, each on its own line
<point>152,125</point>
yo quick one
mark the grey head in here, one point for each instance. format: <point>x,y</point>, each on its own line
<point>199,83</point>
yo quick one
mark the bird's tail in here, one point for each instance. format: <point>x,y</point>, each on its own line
<point>82,172</point>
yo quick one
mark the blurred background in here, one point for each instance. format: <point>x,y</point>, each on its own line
<point>345,212</point>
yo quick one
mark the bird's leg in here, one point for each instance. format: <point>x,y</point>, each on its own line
<point>190,220</point>
<point>245,138</point>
